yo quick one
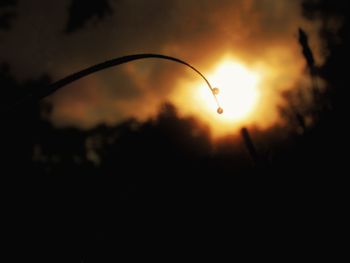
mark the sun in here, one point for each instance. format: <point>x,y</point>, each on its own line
<point>242,95</point>
<point>239,91</point>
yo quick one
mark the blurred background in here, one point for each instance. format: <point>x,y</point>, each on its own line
<point>134,162</point>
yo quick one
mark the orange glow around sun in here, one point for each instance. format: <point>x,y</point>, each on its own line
<point>250,93</point>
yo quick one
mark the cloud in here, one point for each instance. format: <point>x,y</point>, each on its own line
<point>200,32</point>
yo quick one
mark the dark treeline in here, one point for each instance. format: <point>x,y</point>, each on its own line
<point>103,193</point>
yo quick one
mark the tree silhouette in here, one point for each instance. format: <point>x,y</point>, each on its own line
<point>7,13</point>
<point>82,11</point>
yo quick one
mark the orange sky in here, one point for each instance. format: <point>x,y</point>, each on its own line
<point>260,35</point>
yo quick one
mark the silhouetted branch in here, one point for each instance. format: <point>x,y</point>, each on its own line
<point>309,57</point>
<point>250,145</point>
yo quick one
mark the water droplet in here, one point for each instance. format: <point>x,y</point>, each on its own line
<point>220,110</point>
<point>216,91</point>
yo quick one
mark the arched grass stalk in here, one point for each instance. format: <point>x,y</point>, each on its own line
<point>46,91</point>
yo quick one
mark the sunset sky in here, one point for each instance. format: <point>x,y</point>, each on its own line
<point>248,49</point>
<point>135,161</point>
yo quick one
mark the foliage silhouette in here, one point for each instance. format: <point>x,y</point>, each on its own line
<point>7,13</point>
<point>82,11</point>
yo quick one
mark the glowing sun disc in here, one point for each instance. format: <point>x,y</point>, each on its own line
<point>238,90</point>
